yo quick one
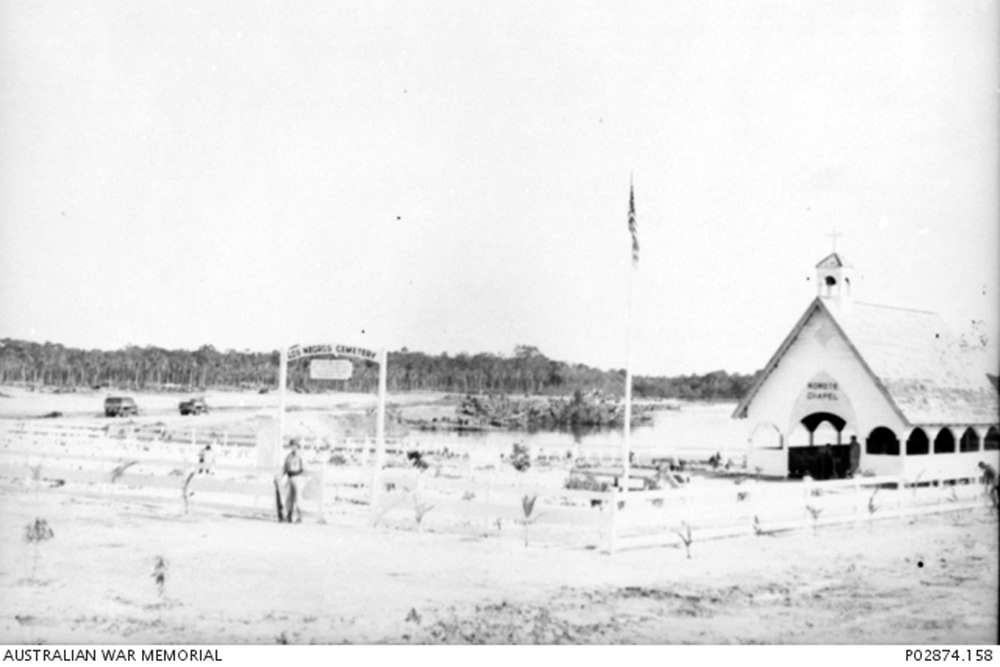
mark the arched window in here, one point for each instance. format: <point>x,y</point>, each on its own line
<point>766,436</point>
<point>944,443</point>
<point>992,440</point>
<point>917,443</point>
<point>882,441</point>
<point>969,441</point>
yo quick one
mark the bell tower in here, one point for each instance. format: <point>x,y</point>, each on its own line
<point>833,282</point>
<point>833,279</point>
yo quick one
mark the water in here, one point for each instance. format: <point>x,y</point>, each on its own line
<point>697,430</point>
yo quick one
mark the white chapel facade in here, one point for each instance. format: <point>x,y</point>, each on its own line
<point>893,378</point>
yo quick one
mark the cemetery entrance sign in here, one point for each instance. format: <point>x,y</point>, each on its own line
<point>337,368</point>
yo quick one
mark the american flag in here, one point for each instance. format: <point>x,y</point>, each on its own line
<point>632,225</point>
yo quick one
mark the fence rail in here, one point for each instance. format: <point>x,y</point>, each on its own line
<point>484,499</point>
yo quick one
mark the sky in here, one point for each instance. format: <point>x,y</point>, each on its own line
<point>454,176</point>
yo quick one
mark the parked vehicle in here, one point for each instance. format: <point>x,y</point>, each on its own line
<point>120,406</point>
<point>193,406</point>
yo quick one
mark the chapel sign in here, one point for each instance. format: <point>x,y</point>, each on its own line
<point>822,391</point>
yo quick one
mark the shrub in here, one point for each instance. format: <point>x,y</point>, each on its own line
<point>530,516</point>
<point>586,483</point>
<point>686,537</point>
<point>814,512</point>
<point>120,470</point>
<point>159,574</point>
<point>34,534</point>
<point>520,458</point>
<point>420,510</point>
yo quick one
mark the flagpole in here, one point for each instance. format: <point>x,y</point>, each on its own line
<point>628,385</point>
<point>632,226</point>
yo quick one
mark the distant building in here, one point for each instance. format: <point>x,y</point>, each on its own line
<point>920,405</point>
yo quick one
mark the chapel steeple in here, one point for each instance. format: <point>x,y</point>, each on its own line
<point>833,278</point>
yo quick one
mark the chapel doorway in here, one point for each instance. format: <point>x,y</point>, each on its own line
<point>826,453</point>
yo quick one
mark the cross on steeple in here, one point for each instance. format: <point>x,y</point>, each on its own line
<point>834,235</point>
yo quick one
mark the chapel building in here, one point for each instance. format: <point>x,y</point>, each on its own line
<point>921,406</point>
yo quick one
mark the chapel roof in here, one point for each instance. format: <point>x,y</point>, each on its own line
<point>919,366</point>
<point>831,261</point>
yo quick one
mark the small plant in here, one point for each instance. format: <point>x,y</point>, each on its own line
<point>120,470</point>
<point>815,512</point>
<point>758,529</point>
<point>872,506</point>
<point>159,575</point>
<point>36,472</point>
<point>185,492</point>
<point>416,459</point>
<point>420,510</point>
<point>469,495</point>
<point>34,534</point>
<point>528,507</point>
<point>686,538</point>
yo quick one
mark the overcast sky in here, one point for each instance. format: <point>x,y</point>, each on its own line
<point>454,176</point>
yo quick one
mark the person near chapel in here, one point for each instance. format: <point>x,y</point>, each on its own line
<point>989,477</point>
<point>294,471</point>
<point>855,456</point>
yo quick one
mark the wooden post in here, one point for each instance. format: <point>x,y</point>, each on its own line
<point>282,385</point>
<point>376,477</point>
<point>613,531</point>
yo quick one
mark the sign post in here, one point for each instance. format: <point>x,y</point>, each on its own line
<point>283,370</point>
<point>376,488</point>
<point>338,369</point>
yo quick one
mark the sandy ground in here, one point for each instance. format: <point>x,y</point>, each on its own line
<point>236,579</point>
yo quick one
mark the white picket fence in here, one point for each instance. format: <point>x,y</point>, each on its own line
<point>463,495</point>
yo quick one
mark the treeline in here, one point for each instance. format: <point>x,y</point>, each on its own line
<point>527,371</point>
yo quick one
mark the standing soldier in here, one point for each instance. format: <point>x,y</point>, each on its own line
<point>293,469</point>
<point>990,487</point>
<point>855,459</point>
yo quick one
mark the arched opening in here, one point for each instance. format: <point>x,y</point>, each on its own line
<point>969,441</point>
<point>991,442</point>
<point>824,436</point>
<point>917,443</point>
<point>799,437</point>
<point>829,286</point>
<point>766,436</point>
<point>822,455</point>
<point>882,441</point>
<point>944,443</point>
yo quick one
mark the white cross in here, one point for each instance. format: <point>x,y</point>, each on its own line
<point>833,235</point>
